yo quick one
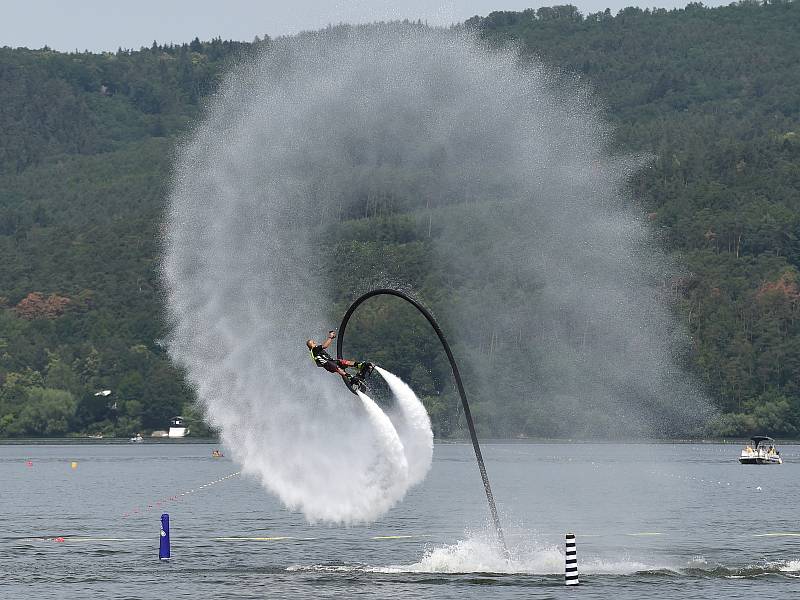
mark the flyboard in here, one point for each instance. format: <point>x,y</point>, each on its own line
<point>357,383</point>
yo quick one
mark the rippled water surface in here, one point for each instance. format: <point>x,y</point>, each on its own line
<point>652,521</point>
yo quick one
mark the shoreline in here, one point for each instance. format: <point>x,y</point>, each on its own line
<point>79,441</point>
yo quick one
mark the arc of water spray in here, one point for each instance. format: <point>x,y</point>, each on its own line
<point>413,425</point>
<point>459,384</point>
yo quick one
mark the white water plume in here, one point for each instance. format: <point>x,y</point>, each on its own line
<point>479,553</point>
<point>413,425</point>
<point>391,462</point>
<point>790,566</point>
<point>537,252</point>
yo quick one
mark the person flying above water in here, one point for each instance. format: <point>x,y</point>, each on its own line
<point>322,359</point>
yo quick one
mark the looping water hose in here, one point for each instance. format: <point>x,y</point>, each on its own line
<point>459,385</point>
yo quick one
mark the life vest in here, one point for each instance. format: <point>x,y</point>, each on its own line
<point>320,359</point>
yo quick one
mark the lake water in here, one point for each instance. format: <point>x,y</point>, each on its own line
<point>651,520</point>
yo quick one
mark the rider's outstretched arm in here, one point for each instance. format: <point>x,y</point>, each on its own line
<point>326,344</point>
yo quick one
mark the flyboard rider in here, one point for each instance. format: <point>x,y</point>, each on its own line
<point>322,359</point>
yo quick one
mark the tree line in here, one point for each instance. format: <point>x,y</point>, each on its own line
<point>710,95</point>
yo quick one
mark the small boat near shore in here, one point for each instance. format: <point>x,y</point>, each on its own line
<point>137,438</point>
<point>761,452</point>
<point>177,428</point>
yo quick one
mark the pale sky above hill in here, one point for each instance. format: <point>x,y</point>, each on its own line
<point>98,25</point>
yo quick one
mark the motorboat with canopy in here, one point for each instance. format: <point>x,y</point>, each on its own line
<point>762,451</point>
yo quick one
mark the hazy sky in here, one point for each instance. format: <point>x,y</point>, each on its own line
<point>108,24</point>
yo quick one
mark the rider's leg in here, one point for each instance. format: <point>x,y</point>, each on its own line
<point>351,364</point>
<point>346,377</point>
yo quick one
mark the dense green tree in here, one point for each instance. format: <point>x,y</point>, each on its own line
<point>710,95</point>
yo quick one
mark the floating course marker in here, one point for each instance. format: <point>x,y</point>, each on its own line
<point>277,538</point>
<point>174,497</point>
<point>105,539</point>
<point>400,537</point>
<point>571,561</point>
<point>163,545</point>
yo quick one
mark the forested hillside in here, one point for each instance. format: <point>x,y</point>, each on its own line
<point>714,96</point>
<point>711,95</point>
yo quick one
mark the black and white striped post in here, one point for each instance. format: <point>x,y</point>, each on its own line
<point>571,561</point>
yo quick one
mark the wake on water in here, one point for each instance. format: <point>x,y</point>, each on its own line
<point>479,553</point>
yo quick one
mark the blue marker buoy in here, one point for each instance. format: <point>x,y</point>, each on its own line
<point>163,546</point>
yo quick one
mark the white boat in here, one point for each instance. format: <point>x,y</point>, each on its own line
<point>137,438</point>
<point>761,452</point>
<point>177,428</point>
